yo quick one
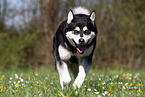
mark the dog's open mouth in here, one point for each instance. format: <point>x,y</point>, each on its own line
<point>81,48</point>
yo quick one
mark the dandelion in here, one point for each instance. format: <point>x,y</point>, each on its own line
<point>1,87</point>
<point>14,82</point>
<point>31,87</point>
<point>17,84</point>
<point>127,78</point>
<point>99,85</point>
<point>1,78</point>
<point>124,75</point>
<point>115,83</point>
<point>84,89</point>
<point>116,76</point>
<point>16,91</point>
<point>85,80</point>
<point>139,84</point>
<point>40,86</point>
<point>41,82</point>
<point>139,91</point>
<point>131,84</point>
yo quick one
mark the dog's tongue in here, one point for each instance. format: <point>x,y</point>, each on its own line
<point>81,48</point>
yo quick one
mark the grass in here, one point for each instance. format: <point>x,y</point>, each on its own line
<point>44,82</point>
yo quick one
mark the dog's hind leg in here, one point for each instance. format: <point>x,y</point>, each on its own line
<point>63,73</point>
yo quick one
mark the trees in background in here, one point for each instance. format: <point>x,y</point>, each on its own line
<point>26,31</point>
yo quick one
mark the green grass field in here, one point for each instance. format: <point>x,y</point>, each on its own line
<point>44,82</point>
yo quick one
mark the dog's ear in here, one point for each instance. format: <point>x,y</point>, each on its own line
<point>70,16</point>
<point>92,16</point>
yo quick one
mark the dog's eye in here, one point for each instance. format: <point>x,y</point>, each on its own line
<point>87,32</point>
<point>76,32</point>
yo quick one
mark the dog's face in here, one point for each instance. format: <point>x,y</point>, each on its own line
<point>81,30</point>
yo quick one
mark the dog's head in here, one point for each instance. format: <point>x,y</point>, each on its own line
<point>81,30</point>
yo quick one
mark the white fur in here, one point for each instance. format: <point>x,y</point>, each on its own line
<point>81,10</point>
<point>70,35</point>
<point>80,78</point>
<point>63,73</point>
<point>64,53</point>
<point>77,28</point>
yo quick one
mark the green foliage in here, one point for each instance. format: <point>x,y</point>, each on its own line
<point>16,48</point>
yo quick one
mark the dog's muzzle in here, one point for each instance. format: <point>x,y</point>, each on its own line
<point>81,47</point>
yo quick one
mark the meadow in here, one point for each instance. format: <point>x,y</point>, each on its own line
<point>44,82</point>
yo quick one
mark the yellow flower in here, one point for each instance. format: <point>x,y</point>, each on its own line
<point>28,78</point>
<point>31,87</point>
<point>111,90</point>
<point>127,78</point>
<point>1,78</point>
<point>41,82</point>
<point>1,87</point>
<point>131,84</point>
<point>131,87</point>
<point>22,86</point>
<point>139,91</point>
<point>85,80</point>
<point>16,91</point>
<point>115,83</point>
<point>84,89</point>
<point>14,82</point>
<point>59,95</point>
<point>124,75</point>
<point>40,86</point>
<point>139,84</point>
<point>17,84</point>
<point>99,85</point>
<point>117,76</point>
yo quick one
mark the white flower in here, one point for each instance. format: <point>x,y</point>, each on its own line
<point>11,78</point>
<point>111,83</point>
<point>89,89</point>
<point>21,79</point>
<point>18,81</point>
<point>99,78</point>
<point>16,76</point>
<point>96,92</point>
<point>123,87</point>
<point>103,83</point>
<point>46,77</point>
<point>36,74</point>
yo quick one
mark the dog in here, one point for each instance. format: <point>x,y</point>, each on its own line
<point>74,44</point>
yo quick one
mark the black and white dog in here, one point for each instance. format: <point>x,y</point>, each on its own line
<point>74,44</point>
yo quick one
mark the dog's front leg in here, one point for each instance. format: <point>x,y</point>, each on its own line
<point>84,66</point>
<point>63,73</point>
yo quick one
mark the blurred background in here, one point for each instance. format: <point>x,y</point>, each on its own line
<point>28,26</point>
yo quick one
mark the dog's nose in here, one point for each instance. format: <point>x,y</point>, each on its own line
<point>81,41</point>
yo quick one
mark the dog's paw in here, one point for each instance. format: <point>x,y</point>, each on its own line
<point>78,82</point>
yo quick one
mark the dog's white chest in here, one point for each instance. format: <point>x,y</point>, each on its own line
<point>64,53</point>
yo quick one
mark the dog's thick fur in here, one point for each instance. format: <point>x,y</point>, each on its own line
<point>74,44</point>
